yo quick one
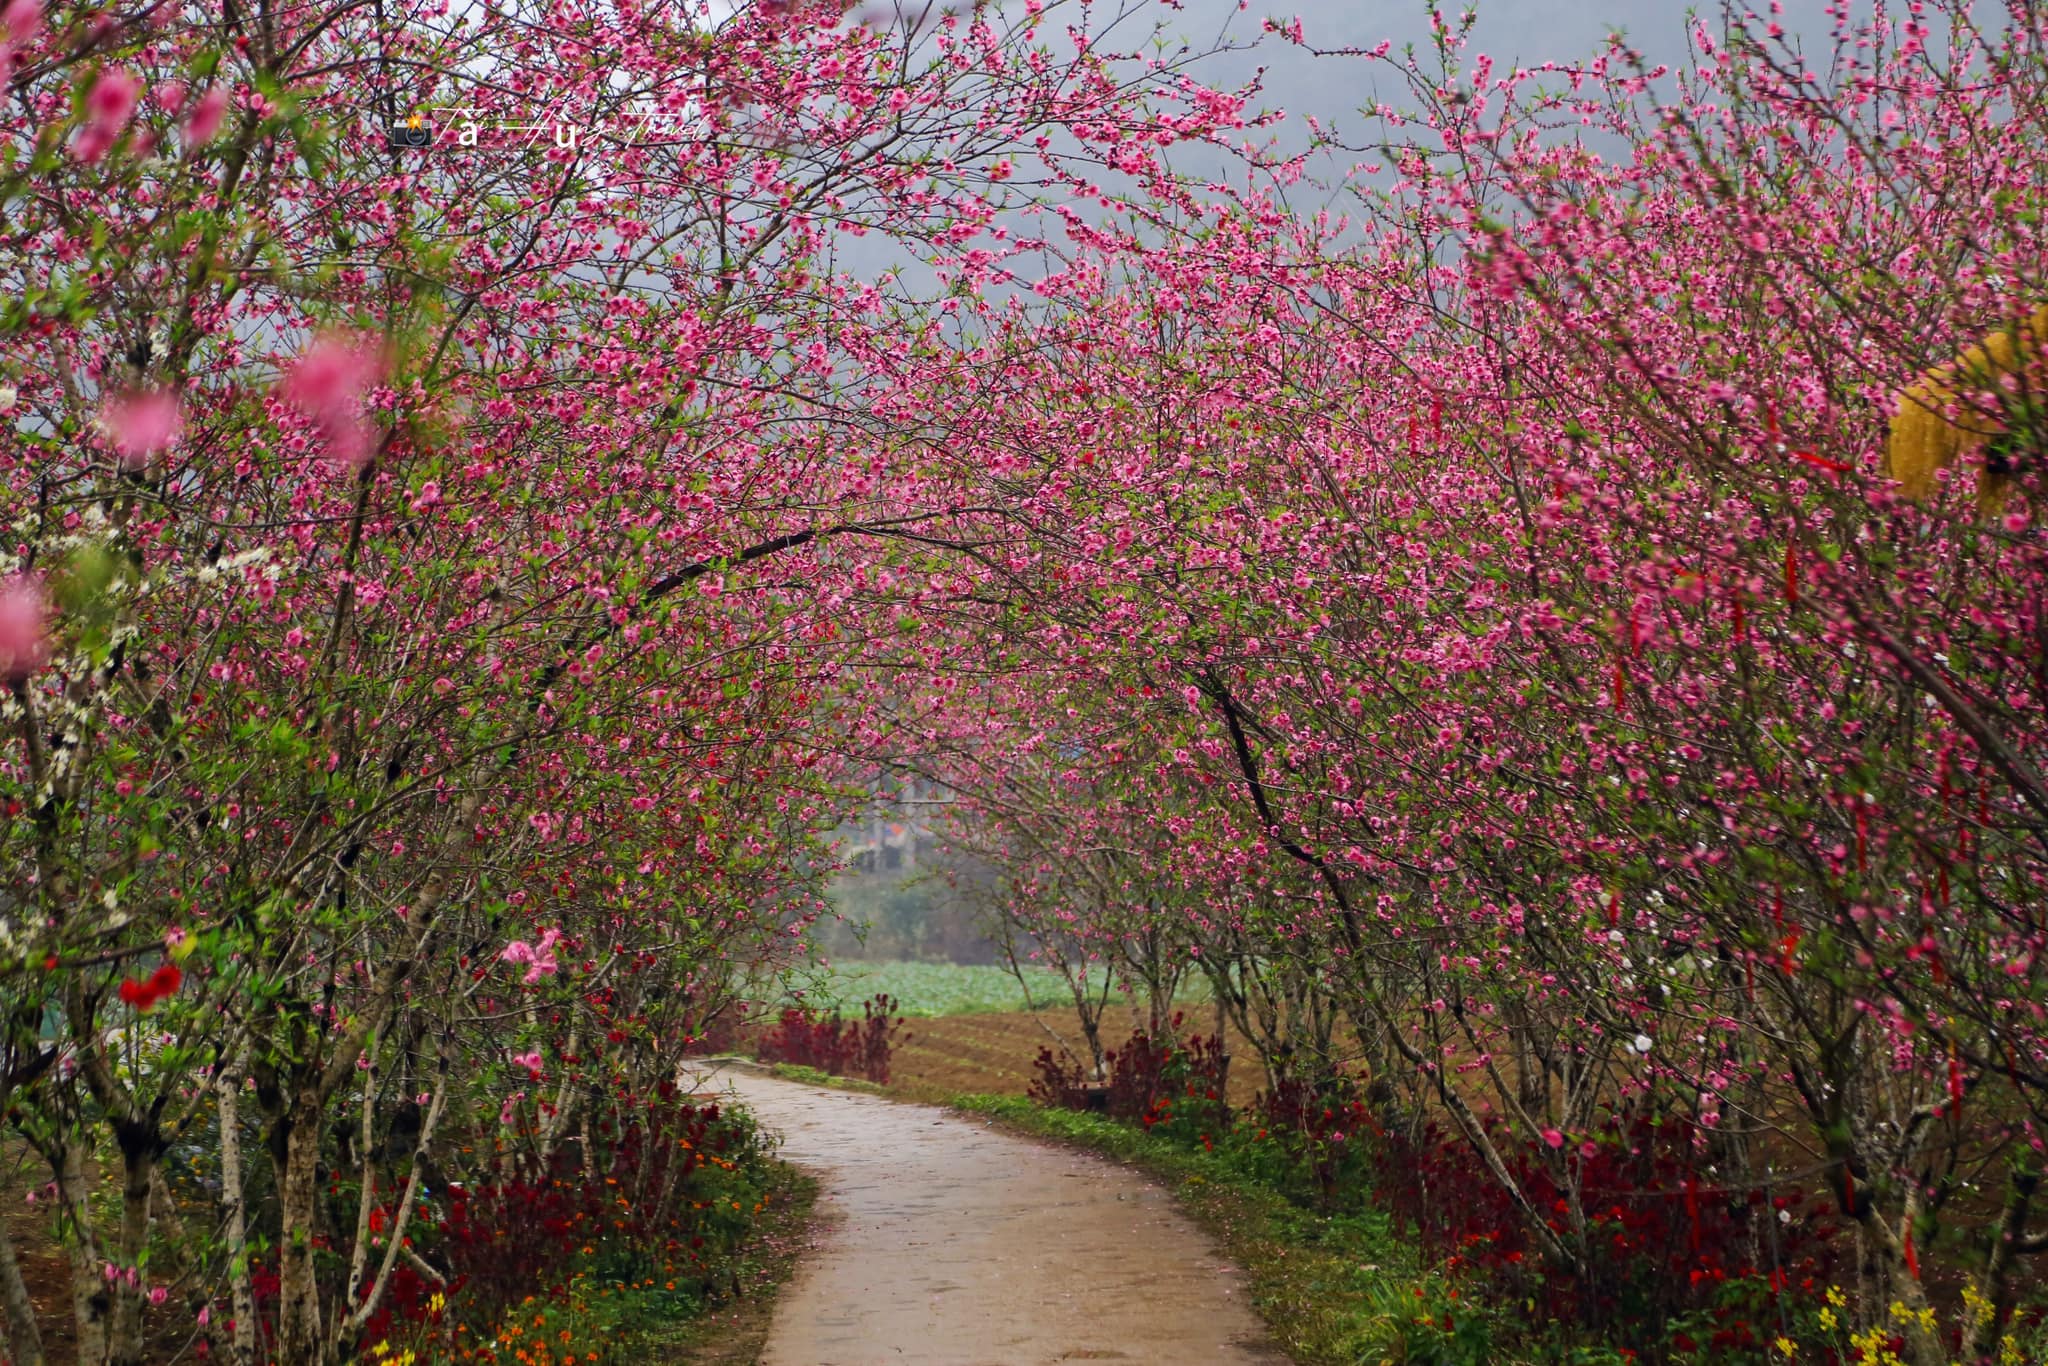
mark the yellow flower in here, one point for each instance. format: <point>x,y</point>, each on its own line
<point>1875,1349</point>
<point>1827,1319</point>
<point>1837,1298</point>
<point>1785,1345</point>
<point>1923,1317</point>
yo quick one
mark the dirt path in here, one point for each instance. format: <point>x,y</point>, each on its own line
<point>948,1242</point>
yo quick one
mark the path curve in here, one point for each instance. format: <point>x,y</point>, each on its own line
<point>946,1241</point>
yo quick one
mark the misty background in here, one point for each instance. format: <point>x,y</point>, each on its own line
<point>903,895</point>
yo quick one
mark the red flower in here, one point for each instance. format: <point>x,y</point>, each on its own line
<point>165,981</point>
<point>1821,462</point>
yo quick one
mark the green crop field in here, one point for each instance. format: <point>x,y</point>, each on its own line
<point>927,989</point>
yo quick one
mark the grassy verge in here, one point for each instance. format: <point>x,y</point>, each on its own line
<point>811,1076</point>
<point>1331,1289</point>
<point>732,1330</point>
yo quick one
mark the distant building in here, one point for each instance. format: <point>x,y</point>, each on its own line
<point>897,829</point>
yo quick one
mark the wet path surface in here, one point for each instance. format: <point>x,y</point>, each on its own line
<point>947,1241</point>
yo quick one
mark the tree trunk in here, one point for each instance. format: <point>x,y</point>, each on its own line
<point>1923,1344</point>
<point>298,1304</point>
<point>1223,1053</point>
<point>139,1145</point>
<point>241,1347</point>
<point>1532,1080</point>
<point>92,1296</point>
<point>1566,1256</point>
<point>1091,1030</point>
<point>1884,1263</point>
<point>22,1342</point>
<point>358,1309</point>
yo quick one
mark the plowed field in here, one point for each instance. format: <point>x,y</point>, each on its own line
<point>994,1053</point>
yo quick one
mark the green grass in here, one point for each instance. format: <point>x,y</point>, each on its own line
<point>811,1076</point>
<point>925,989</point>
<point>1331,1288</point>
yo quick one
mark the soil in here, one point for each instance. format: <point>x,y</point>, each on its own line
<point>47,1274</point>
<point>45,1270</point>
<point>943,1240</point>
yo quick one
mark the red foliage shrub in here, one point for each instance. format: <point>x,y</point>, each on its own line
<point>1157,1082</point>
<point>1153,1081</point>
<point>844,1048</point>
<point>1662,1241</point>
<point>1062,1080</point>
<point>728,1031</point>
<point>1326,1130</point>
<point>640,1194</point>
<point>1316,1108</point>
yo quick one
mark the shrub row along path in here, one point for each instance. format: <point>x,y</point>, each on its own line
<point>944,1240</point>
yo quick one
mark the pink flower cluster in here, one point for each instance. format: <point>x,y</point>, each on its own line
<point>539,958</point>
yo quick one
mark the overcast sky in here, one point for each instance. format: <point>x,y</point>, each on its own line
<point>1512,32</point>
<point>1333,89</point>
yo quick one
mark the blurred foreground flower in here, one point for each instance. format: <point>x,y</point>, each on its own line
<point>23,611</point>
<point>140,425</point>
<point>329,384</point>
<point>107,111</point>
